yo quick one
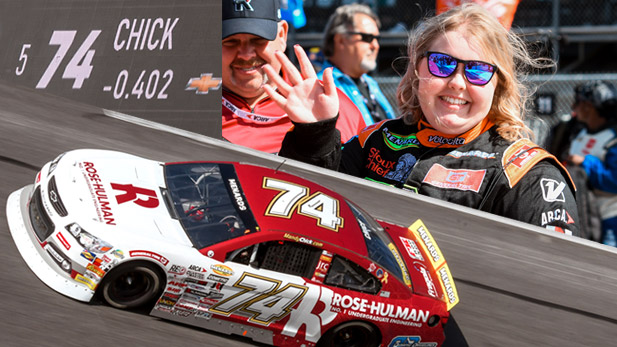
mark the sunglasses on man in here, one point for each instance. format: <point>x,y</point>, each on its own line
<point>443,65</point>
<point>368,38</point>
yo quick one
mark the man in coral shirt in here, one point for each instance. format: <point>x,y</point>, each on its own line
<point>252,33</point>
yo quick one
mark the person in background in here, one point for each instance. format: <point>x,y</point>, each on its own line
<point>351,45</point>
<point>252,32</point>
<point>461,138</point>
<point>594,149</point>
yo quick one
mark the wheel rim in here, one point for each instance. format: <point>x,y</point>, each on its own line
<point>132,288</point>
<point>354,336</point>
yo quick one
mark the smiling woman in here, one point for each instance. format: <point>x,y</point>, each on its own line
<point>461,137</point>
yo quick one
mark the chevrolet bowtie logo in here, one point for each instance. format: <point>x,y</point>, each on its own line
<point>203,84</point>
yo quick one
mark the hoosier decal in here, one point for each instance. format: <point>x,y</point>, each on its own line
<point>441,177</point>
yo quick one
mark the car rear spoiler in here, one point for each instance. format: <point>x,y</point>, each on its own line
<point>439,267</point>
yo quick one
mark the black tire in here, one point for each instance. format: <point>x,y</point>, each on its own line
<point>351,334</point>
<point>132,285</point>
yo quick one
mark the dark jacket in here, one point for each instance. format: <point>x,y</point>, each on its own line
<point>478,169</point>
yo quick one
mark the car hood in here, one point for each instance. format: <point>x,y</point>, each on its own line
<point>116,193</point>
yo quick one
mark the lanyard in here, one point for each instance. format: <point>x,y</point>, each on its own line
<point>251,117</point>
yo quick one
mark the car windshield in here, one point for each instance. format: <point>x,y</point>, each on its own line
<point>380,247</point>
<point>209,201</point>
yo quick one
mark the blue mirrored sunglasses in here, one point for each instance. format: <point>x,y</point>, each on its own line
<point>443,65</point>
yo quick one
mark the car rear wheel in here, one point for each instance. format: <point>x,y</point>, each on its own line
<point>132,285</point>
<point>351,334</point>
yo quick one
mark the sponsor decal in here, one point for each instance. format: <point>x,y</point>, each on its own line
<point>379,311</point>
<point>322,266</point>
<point>377,164</point>
<point>467,180</point>
<point>303,240</point>
<point>95,270</point>
<point>63,241</point>
<point>454,141</point>
<point>429,244</point>
<point>85,280</point>
<point>203,83</point>
<point>151,255</point>
<point>559,214</point>
<point>195,274</point>
<point>523,155</point>
<point>235,190</point>
<point>398,142</point>
<point>552,190</point>
<point>401,264</point>
<point>477,154</point>
<point>218,279</point>
<point>177,270</point>
<point>384,294</point>
<point>222,270</point>
<point>242,5</point>
<point>403,167</point>
<point>131,192</point>
<point>410,341</point>
<point>98,193</point>
<point>197,268</point>
<point>445,275</point>
<point>118,254</point>
<point>559,230</point>
<point>412,249</point>
<point>88,255</point>
<point>430,285</point>
<point>168,300</point>
<point>365,230</point>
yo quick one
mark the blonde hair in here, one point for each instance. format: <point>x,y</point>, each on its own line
<point>504,49</point>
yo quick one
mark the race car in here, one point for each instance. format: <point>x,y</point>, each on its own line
<point>232,247</point>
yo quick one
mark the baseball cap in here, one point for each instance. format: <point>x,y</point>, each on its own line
<point>257,17</point>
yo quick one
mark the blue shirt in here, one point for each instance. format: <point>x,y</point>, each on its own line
<point>348,86</point>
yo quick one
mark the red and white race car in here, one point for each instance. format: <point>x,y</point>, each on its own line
<point>232,247</point>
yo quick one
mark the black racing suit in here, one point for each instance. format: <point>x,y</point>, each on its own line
<point>478,169</point>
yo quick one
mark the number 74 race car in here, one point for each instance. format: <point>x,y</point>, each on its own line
<point>232,247</point>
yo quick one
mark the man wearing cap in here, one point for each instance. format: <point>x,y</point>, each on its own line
<point>351,46</point>
<point>594,149</point>
<point>252,33</point>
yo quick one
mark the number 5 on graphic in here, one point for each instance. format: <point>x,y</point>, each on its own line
<point>294,197</point>
<point>79,67</point>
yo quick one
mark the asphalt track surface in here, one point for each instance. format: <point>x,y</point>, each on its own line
<point>519,285</point>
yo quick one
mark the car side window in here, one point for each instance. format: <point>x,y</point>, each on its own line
<point>282,256</point>
<point>346,274</point>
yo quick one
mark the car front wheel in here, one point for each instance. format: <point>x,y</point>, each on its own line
<point>132,285</point>
<point>351,334</point>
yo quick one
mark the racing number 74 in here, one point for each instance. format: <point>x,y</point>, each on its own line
<point>261,299</point>
<point>293,197</point>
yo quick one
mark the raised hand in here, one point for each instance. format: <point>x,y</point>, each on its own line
<point>305,98</point>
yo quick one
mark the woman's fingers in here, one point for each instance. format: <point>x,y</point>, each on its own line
<point>308,71</point>
<point>328,83</point>
<point>283,87</point>
<point>291,72</point>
